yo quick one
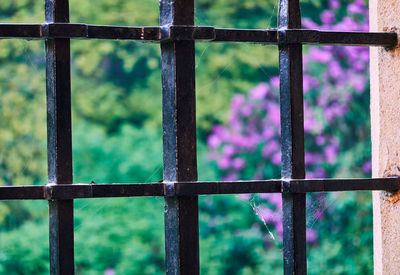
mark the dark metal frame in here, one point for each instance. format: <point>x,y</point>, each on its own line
<point>177,35</point>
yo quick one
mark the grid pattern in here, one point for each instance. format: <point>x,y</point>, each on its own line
<point>177,36</point>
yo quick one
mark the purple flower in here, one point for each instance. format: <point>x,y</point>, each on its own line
<point>244,196</point>
<point>320,173</point>
<point>268,215</point>
<point>364,55</point>
<point>240,141</point>
<point>271,148</point>
<point>359,84</point>
<point>320,55</point>
<point>320,140</point>
<point>334,4</point>
<point>274,114</point>
<point>310,124</point>
<point>335,70</point>
<point>221,132</point>
<point>358,65</point>
<point>329,114</point>
<point>309,83</point>
<point>309,24</point>
<point>330,152</point>
<point>237,101</point>
<point>230,177</point>
<point>318,214</point>
<point>276,158</point>
<point>246,110</point>
<point>238,163</point>
<point>274,198</point>
<point>268,132</point>
<point>275,81</point>
<point>357,7</point>
<point>311,235</point>
<point>213,141</point>
<point>279,229</point>
<point>312,158</point>
<point>109,271</point>
<point>259,92</point>
<point>224,163</point>
<point>327,17</point>
<point>367,167</point>
<point>347,24</point>
<point>229,150</point>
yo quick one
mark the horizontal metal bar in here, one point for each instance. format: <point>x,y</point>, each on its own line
<point>300,36</point>
<point>64,30</point>
<point>31,192</point>
<point>336,185</point>
<point>83,31</point>
<point>246,35</point>
<point>28,31</point>
<point>70,30</point>
<point>176,33</point>
<point>80,191</point>
<point>224,187</point>
<point>124,33</point>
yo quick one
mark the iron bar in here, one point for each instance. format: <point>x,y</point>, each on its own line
<point>59,142</point>
<point>179,140</point>
<point>79,191</point>
<point>124,33</point>
<point>192,188</point>
<point>292,141</point>
<point>30,192</point>
<point>339,185</point>
<point>317,37</point>
<point>235,187</point>
<point>246,35</point>
<point>197,33</point>
<point>27,31</point>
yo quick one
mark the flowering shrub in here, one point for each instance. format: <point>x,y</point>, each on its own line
<point>335,86</point>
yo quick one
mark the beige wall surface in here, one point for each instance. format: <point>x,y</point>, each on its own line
<point>385,129</point>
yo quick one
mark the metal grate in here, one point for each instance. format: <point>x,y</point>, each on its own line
<point>177,35</point>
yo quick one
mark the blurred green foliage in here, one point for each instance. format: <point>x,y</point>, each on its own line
<point>116,97</point>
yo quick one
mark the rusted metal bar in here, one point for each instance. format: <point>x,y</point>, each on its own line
<point>246,35</point>
<point>193,188</point>
<point>124,33</point>
<point>293,186</point>
<point>179,140</point>
<point>59,143</point>
<point>28,31</point>
<point>178,33</point>
<point>339,185</point>
<point>22,192</point>
<point>79,191</point>
<point>301,36</point>
<point>197,33</point>
<point>64,30</point>
<point>292,141</point>
<point>234,187</point>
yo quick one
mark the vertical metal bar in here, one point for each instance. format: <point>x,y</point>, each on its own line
<point>59,141</point>
<point>179,140</point>
<point>292,135</point>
